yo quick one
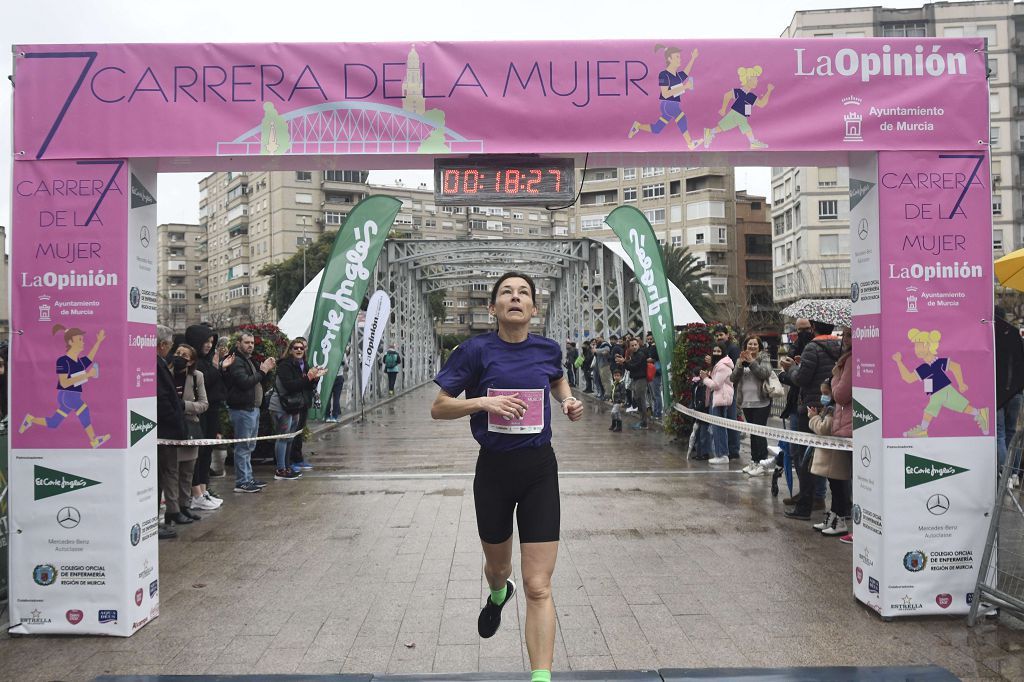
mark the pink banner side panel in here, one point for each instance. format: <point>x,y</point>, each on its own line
<point>176,100</point>
<point>936,263</point>
<point>68,259</point>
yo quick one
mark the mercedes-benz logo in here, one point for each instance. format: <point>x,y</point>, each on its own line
<point>938,504</point>
<point>144,236</point>
<point>68,517</point>
<point>865,456</point>
<point>144,466</point>
<point>862,229</point>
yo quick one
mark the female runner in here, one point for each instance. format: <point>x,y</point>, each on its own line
<point>509,377</point>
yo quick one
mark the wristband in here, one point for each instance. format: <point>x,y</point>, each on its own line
<point>572,397</point>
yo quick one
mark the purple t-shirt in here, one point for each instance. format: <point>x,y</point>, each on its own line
<point>936,371</point>
<point>744,101</point>
<point>486,361</point>
<point>66,367</point>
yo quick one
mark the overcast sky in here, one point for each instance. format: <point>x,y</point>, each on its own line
<point>198,21</point>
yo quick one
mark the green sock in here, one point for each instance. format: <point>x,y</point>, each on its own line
<point>540,676</point>
<point>498,596</point>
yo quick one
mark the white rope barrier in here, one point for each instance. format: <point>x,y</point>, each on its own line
<point>223,441</point>
<point>796,437</point>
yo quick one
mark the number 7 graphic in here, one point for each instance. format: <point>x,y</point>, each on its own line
<point>90,57</point>
<point>967,185</point>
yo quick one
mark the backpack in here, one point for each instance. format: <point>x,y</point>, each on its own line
<point>391,360</point>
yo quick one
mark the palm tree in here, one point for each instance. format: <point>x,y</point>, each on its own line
<point>685,271</point>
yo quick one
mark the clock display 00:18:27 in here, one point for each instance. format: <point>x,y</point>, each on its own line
<point>508,181</point>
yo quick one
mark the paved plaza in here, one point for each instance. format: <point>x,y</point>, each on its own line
<point>371,564</point>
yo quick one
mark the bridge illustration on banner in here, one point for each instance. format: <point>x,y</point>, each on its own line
<point>352,128</point>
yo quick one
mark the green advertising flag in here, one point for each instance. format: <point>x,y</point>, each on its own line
<point>637,238</point>
<point>344,284</point>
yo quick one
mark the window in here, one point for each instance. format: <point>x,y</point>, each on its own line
<point>346,176</point>
<point>698,235</point>
<point>993,68</point>
<point>303,198</point>
<point>993,103</point>
<point>997,240</point>
<point>592,222</point>
<point>758,244</point>
<point>759,269</point>
<point>828,244</point>
<point>904,29</point>
<point>334,218</point>
<point>655,216</point>
<point>953,31</point>
<point>835,278</point>
<point>448,304</point>
<point>827,177</point>
<point>997,204</point>
<point>177,295</point>
<point>705,209</point>
<point>677,240</point>
<point>478,224</point>
<point>997,171</point>
<point>629,173</point>
<point>828,210</point>
<point>779,224</point>
<point>654,191</point>
<point>651,171</point>
<point>720,235</point>
<point>719,285</point>
<point>629,194</point>
<point>988,32</point>
<point>777,193</point>
<point>303,176</point>
<point>993,136</point>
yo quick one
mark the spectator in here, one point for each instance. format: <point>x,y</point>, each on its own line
<point>702,431</point>
<point>722,397</point>
<point>203,339</point>
<point>392,361</point>
<point>723,338</point>
<point>652,354</point>
<point>614,349</point>
<point>292,398</point>
<point>295,454</point>
<point>334,409</point>
<point>588,364</point>
<point>189,386</point>
<point>616,396</point>
<point>170,424</point>
<point>842,418</point>
<point>749,378</point>
<point>1009,382</point>
<point>244,385</point>
<point>808,371</point>
<point>571,353</point>
<point>636,365</point>
<point>601,351</point>
<point>834,465</point>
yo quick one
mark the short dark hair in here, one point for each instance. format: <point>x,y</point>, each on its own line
<point>821,328</point>
<point>720,329</point>
<point>617,370</point>
<point>510,275</point>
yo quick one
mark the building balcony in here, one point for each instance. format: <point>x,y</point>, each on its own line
<point>239,230</point>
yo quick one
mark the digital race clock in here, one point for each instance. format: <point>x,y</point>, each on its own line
<point>520,181</point>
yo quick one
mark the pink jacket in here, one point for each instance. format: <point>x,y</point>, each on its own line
<point>721,383</point>
<point>842,394</point>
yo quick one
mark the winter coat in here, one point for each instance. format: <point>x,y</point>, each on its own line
<point>756,371</point>
<point>842,397</point>
<point>816,363</point>
<point>291,379</point>
<point>170,410</point>
<point>836,464</point>
<point>196,336</point>
<point>241,381</point>
<point>193,394</point>
<point>588,358</point>
<point>636,365</point>
<point>720,382</point>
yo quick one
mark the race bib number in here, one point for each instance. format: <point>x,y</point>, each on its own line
<point>532,420</point>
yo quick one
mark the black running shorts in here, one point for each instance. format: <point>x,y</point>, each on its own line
<point>524,482</point>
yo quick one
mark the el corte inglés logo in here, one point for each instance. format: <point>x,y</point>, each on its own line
<point>140,426</point>
<point>862,416</point>
<point>919,470</point>
<point>50,482</point>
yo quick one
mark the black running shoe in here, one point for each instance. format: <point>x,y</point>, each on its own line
<point>490,615</point>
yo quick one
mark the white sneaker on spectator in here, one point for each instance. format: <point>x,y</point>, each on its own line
<point>216,501</point>
<point>630,409</point>
<point>768,463</point>
<point>750,467</point>
<point>719,460</point>
<point>759,470</point>
<point>202,504</point>
<point>826,523</point>
<point>837,527</point>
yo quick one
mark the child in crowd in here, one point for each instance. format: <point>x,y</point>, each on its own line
<point>831,464</point>
<point>617,395</point>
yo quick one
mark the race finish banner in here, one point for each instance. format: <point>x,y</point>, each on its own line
<point>924,392</point>
<point>343,285</point>
<point>83,437</point>
<point>377,314</point>
<point>639,241</point>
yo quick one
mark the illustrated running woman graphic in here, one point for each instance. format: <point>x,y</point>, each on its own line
<point>743,102</point>
<point>932,371</point>
<point>672,84</point>
<point>72,373</point>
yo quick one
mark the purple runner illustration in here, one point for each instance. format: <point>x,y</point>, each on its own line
<point>73,372</point>
<point>743,102</point>
<point>937,384</point>
<point>672,83</point>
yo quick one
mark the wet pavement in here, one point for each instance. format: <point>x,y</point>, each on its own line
<point>371,564</point>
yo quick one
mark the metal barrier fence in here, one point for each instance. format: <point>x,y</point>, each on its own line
<point>1001,573</point>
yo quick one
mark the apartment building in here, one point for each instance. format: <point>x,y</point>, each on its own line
<point>758,311</point>
<point>181,271</point>
<point>810,206</point>
<point>695,207</point>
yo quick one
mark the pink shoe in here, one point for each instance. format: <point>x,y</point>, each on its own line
<point>847,539</point>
